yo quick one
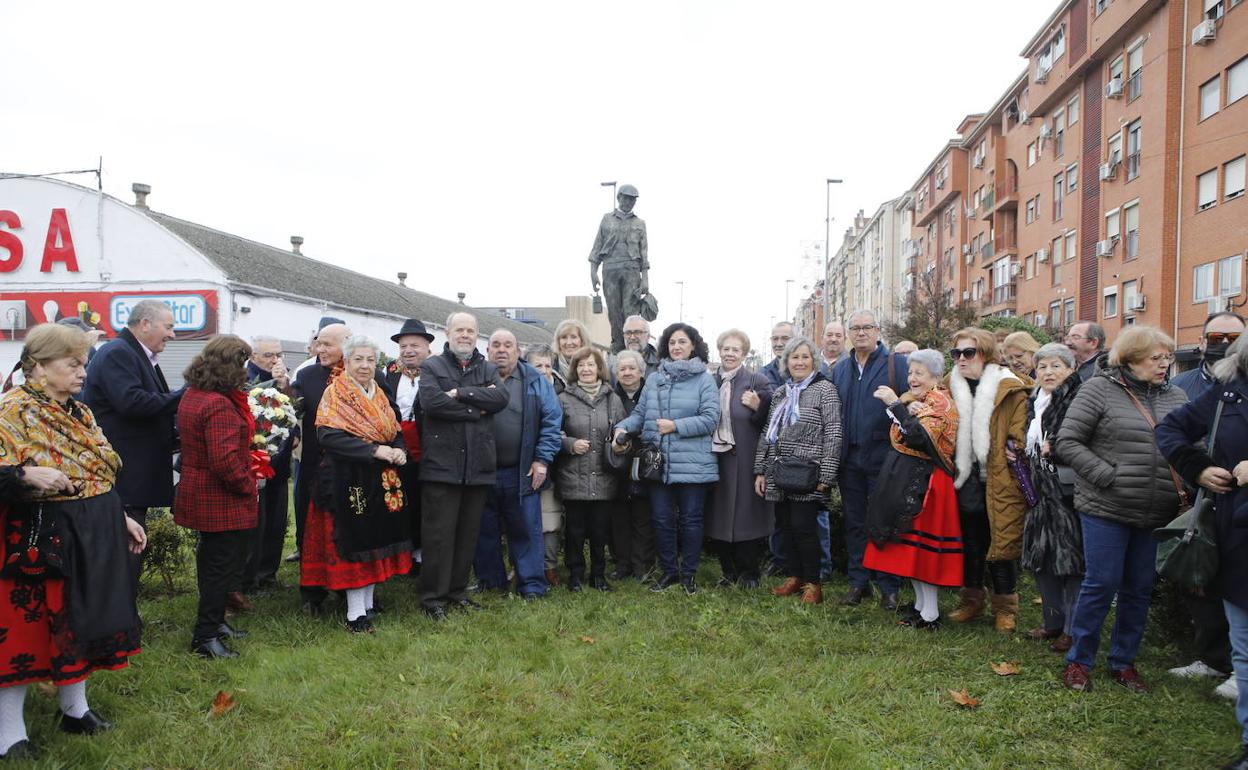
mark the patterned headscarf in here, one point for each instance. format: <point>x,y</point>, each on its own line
<point>347,407</point>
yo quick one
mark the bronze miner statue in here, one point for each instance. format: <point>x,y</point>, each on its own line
<point>621,249</point>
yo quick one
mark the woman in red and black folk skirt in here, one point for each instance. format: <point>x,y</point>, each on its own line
<point>357,533</point>
<point>67,592</point>
<point>912,522</point>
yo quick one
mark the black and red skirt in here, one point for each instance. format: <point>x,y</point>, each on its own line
<point>931,550</point>
<point>322,565</point>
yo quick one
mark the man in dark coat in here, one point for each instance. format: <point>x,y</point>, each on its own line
<point>130,397</point>
<point>637,338</point>
<point>781,333</point>
<point>865,428</point>
<point>460,392</point>
<point>1086,340</point>
<point>403,380</point>
<point>266,365</point>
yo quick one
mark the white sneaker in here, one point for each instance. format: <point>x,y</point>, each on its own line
<point>1228,689</point>
<point>1196,669</point>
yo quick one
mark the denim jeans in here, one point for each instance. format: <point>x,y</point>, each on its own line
<point>520,518</point>
<point>677,511</point>
<point>856,488</point>
<point>1120,560</point>
<point>1238,619</point>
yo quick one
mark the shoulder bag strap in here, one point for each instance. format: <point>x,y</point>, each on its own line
<point>1178,482</point>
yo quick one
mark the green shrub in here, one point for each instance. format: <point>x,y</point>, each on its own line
<point>168,548</point>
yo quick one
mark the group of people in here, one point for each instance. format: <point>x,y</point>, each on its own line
<point>1060,459</point>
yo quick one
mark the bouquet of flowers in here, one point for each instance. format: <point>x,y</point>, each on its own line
<point>274,414</point>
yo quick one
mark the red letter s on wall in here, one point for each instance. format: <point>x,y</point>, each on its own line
<point>10,242</point>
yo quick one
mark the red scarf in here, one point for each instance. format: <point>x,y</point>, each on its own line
<point>260,466</point>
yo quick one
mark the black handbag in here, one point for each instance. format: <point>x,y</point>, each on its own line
<point>647,464</point>
<point>972,495</point>
<point>1188,552</point>
<point>32,545</point>
<point>796,475</point>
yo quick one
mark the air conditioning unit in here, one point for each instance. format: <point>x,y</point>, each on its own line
<point>970,212</point>
<point>966,295</point>
<point>1115,158</point>
<point>1136,302</point>
<point>1204,32</point>
<point>1042,255</point>
<point>1043,67</point>
<point>1013,269</point>
<point>1046,131</point>
<point>1105,248</point>
<point>979,160</point>
<point>1108,171</point>
<point>1113,89</point>
<point>966,248</point>
<point>1024,117</point>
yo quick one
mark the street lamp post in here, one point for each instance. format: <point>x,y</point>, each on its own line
<point>612,186</point>
<point>787,283</point>
<point>827,248</point>
<point>681,316</point>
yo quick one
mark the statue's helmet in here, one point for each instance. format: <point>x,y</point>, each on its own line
<point>629,190</point>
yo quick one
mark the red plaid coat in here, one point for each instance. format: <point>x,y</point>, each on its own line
<point>217,492</point>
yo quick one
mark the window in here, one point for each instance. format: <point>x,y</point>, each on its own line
<point>1029,266</point>
<point>1135,144</point>
<point>1070,313</point>
<point>1031,210</point>
<point>1114,153</point>
<point>1111,225</point>
<point>1070,246</point>
<point>1115,70</point>
<point>1135,72</point>
<point>1059,133</point>
<point>1072,111</point>
<point>1111,302</point>
<point>1210,96</point>
<point>1132,215</point>
<point>1207,190</point>
<point>1233,179</point>
<point>1072,177</point>
<point>1055,313</point>
<point>1031,155</point>
<point>1130,290</point>
<point>1237,81</point>
<point>977,196</point>
<point>1055,261</point>
<point>1230,273</point>
<point>1059,185</point>
<point>1202,283</point>
<point>1214,9</point>
<point>1101,5</point>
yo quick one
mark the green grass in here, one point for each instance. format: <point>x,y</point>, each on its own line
<point>724,679</point>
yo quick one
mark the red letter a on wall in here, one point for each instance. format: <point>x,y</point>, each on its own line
<point>58,229</point>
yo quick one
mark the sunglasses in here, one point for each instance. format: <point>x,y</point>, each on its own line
<point>957,353</point>
<point>1217,338</point>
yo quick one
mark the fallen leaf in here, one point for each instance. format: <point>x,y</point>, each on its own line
<point>963,698</point>
<point>402,679</point>
<point>222,703</point>
<point>1006,668</point>
<point>588,639</point>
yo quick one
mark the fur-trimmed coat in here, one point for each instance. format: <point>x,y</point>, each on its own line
<point>997,411</point>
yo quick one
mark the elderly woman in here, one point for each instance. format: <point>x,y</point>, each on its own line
<point>797,459</point>
<point>1019,350</point>
<point>542,358</point>
<point>1052,537</point>
<point>632,533</point>
<point>1182,436</point>
<point>217,494</point>
<point>60,623</point>
<point>678,412</point>
<point>739,521</point>
<point>586,482</point>
<point>1125,489</point>
<point>356,535</point>
<point>992,418</point>
<point>912,521</point>
<point>570,336</point>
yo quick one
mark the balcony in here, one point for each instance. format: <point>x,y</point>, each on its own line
<point>987,251</point>
<point>1007,293</point>
<point>986,204</point>
<point>1005,245</point>
<point>1006,193</point>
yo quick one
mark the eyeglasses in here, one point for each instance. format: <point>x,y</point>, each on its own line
<point>634,332</point>
<point>863,328</point>
<point>1217,338</point>
<point>967,353</point>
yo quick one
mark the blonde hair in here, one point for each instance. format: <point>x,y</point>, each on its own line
<point>745,339</point>
<point>1136,343</point>
<point>48,342</point>
<point>571,323</point>
<point>599,361</point>
<point>1021,340</point>
<point>985,342</point>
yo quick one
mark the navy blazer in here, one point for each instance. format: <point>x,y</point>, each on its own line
<point>137,412</point>
<point>864,420</point>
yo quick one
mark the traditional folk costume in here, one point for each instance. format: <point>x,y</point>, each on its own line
<point>357,531</point>
<point>912,521</point>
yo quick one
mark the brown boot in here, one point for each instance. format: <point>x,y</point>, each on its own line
<point>969,606</point>
<point>552,577</point>
<point>235,600</point>
<point>1005,610</point>
<point>812,593</point>
<point>789,587</point>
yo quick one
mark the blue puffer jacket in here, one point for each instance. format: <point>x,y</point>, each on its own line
<point>684,392</point>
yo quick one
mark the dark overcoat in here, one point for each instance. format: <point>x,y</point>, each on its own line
<point>734,513</point>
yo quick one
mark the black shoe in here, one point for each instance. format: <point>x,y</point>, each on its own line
<point>89,723</point>
<point>620,574</point>
<point>23,749</point>
<point>467,605</point>
<point>854,596</point>
<point>575,585</point>
<point>361,625</point>
<point>927,625</point>
<point>437,613</point>
<point>691,588</point>
<point>530,596</point>
<point>725,582</point>
<point>226,631</point>
<point>294,557</point>
<point>600,584</point>
<point>212,648</point>
<point>1239,763</point>
<point>748,583</point>
<point>889,602</point>
<point>774,569</point>
<point>313,609</point>
<point>664,583</point>
<point>372,612</point>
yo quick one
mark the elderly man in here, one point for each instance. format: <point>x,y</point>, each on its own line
<point>781,333</point>
<point>460,392</point>
<point>526,440</point>
<point>266,365</point>
<point>1087,341</point>
<point>865,444</point>
<point>130,397</point>
<point>637,338</point>
<point>403,379</point>
<point>833,346</point>
<point>905,346</point>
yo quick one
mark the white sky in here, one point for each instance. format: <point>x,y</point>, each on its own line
<point>464,142</point>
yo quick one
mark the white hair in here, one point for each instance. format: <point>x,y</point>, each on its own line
<point>932,360</point>
<point>146,310</point>
<point>264,338</point>
<point>632,355</point>
<point>357,341</point>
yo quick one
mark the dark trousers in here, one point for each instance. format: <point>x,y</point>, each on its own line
<point>1211,635</point>
<point>801,531</point>
<point>410,475</point>
<point>219,558</point>
<point>739,560</point>
<point>269,535</point>
<point>976,537</point>
<point>632,535</point>
<point>449,527</point>
<point>303,498</point>
<point>586,517</point>
<point>677,511</point>
<point>856,488</point>
<point>1059,593</point>
<point>519,517</point>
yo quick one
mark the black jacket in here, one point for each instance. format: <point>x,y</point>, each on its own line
<point>133,405</point>
<point>457,440</point>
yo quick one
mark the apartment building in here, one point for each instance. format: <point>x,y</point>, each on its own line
<point>936,206</point>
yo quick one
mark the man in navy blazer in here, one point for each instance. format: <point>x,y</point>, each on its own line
<point>130,397</point>
<point>865,443</point>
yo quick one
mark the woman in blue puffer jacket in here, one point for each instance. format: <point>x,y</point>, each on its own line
<point>678,412</point>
